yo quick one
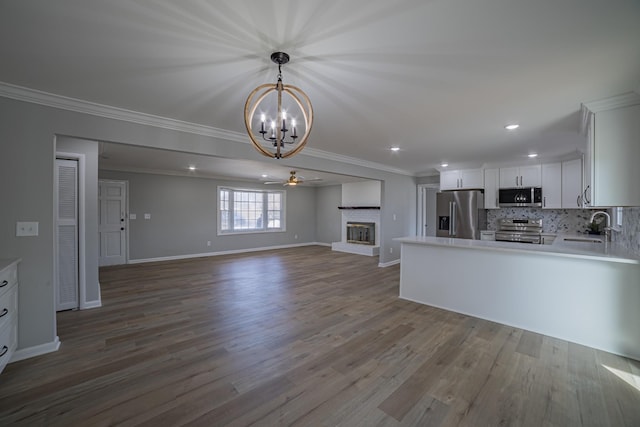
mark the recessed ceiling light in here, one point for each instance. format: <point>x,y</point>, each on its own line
<point>512,127</point>
<point>395,148</point>
<point>264,175</point>
<point>192,168</point>
<point>532,155</point>
<point>444,165</point>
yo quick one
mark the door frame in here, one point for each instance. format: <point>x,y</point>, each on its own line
<point>126,216</point>
<point>420,207</point>
<point>82,280</point>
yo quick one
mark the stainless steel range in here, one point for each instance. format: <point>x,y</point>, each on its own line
<point>519,230</point>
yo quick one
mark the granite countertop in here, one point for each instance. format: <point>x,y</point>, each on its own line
<point>560,247</point>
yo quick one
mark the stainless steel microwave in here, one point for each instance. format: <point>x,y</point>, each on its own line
<point>520,197</point>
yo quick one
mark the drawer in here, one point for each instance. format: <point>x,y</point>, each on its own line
<point>8,341</point>
<point>8,277</point>
<point>8,305</point>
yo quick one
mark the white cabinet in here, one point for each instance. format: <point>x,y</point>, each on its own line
<point>462,179</point>
<point>613,155</point>
<point>8,310</point>
<point>491,184</point>
<point>551,186</point>
<point>521,176</point>
<point>572,197</point>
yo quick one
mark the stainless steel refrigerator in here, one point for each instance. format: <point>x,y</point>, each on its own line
<point>460,214</point>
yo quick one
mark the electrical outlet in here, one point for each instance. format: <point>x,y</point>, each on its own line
<point>295,236</point>
<point>390,250</point>
<point>26,228</point>
<point>208,242</point>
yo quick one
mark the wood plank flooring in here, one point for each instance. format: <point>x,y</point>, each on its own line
<point>305,337</point>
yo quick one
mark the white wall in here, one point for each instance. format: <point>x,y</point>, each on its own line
<point>364,193</point>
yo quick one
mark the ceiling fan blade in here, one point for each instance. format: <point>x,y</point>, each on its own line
<point>273,182</point>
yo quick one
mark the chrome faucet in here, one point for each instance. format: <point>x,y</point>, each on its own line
<point>607,228</point>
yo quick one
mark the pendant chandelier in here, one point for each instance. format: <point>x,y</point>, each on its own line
<point>276,109</point>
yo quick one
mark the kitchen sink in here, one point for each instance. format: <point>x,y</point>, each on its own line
<point>583,239</point>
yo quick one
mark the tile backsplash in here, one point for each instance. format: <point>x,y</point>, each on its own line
<point>573,221</point>
<point>629,237</point>
<point>553,220</point>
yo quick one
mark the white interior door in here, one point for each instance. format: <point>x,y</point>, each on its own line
<point>112,198</point>
<point>66,178</point>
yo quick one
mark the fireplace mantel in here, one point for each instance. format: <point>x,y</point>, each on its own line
<point>360,207</point>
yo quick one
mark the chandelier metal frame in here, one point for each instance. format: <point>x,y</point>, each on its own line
<point>278,138</point>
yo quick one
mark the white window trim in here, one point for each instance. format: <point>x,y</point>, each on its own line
<point>283,219</point>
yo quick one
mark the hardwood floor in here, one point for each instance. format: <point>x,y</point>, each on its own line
<point>305,337</point>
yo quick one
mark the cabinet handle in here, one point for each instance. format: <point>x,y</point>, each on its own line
<point>587,201</point>
<point>516,181</point>
<point>578,200</point>
<point>4,312</point>
<point>544,201</point>
<point>4,283</point>
<point>4,350</point>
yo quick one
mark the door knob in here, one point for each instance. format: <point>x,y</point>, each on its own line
<point>122,228</point>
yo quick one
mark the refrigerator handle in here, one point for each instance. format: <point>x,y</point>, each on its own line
<point>452,216</point>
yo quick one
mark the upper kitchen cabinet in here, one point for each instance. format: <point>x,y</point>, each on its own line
<point>467,179</point>
<point>521,176</point>
<point>491,184</point>
<point>551,186</point>
<point>612,159</point>
<point>572,197</point>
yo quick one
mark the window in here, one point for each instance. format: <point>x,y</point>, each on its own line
<point>250,211</point>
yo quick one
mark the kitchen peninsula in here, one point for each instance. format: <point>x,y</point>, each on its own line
<point>587,293</point>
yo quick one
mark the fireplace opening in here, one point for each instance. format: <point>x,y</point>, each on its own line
<point>362,233</point>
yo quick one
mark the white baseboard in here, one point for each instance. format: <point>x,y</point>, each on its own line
<point>231,252</point>
<point>390,263</point>
<point>352,248</point>
<point>36,350</point>
<point>91,304</point>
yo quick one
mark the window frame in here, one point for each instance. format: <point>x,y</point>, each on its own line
<point>265,210</point>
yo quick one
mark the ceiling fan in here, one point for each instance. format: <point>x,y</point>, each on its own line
<point>293,180</point>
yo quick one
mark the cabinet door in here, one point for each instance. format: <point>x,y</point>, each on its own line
<point>491,188</point>
<point>531,176</point>
<point>449,180</point>
<point>472,179</point>
<point>615,173</point>
<point>572,184</point>
<point>509,177</point>
<point>551,187</point>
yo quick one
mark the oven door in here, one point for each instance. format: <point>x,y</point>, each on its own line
<point>509,236</point>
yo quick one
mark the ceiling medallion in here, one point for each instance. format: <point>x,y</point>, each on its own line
<point>275,112</point>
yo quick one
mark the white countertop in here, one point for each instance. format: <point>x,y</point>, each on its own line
<point>6,262</point>
<point>595,251</point>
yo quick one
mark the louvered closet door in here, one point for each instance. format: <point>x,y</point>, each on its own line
<point>67,235</point>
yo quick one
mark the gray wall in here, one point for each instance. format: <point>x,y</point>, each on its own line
<point>328,218</point>
<point>27,155</point>
<point>183,216</point>
<point>91,243</point>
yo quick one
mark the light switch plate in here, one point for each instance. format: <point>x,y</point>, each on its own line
<point>132,216</point>
<point>26,228</point>
<point>147,216</point>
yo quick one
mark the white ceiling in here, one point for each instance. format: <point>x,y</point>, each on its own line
<point>439,79</point>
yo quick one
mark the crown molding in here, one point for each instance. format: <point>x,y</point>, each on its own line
<point>624,100</point>
<point>34,96</point>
